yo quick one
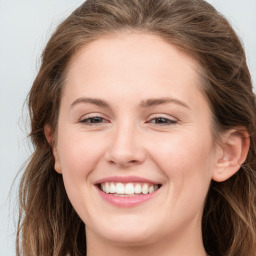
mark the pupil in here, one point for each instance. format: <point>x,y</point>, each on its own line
<point>161,120</point>
<point>96,120</point>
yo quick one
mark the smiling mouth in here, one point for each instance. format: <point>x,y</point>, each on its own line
<point>128,189</point>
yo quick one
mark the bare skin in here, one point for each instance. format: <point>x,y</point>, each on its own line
<point>133,106</point>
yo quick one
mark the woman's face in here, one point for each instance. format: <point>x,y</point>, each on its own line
<point>134,122</point>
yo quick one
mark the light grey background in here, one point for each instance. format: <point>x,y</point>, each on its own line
<point>25,26</point>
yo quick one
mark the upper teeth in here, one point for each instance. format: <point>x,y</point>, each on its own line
<point>128,188</point>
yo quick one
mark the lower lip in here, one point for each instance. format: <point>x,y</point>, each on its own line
<point>126,201</point>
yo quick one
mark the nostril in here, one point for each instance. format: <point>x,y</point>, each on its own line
<point>123,162</point>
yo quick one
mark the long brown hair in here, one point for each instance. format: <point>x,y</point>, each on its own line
<point>48,224</point>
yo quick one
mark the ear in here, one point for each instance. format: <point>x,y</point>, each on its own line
<point>49,135</point>
<point>234,150</point>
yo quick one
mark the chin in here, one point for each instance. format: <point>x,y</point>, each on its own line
<point>132,234</point>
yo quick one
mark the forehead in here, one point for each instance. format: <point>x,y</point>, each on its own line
<point>146,51</point>
<point>142,63</point>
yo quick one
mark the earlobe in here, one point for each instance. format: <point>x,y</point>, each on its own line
<point>49,137</point>
<point>235,148</point>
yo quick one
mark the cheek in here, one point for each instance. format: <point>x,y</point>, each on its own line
<point>78,157</point>
<point>78,153</point>
<point>186,159</point>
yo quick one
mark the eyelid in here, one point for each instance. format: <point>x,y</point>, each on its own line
<point>93,115</point>
<point>170,117</point>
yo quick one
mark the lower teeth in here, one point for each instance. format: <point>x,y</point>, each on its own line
<point>125,195</point>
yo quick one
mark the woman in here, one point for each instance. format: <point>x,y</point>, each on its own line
<point>143,122</point>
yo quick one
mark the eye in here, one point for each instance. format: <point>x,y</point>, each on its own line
<point>94,120</point>
<point>162,121</point>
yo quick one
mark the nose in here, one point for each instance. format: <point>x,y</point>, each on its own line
<point>125,147</point>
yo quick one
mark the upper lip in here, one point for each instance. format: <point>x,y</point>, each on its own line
<point>125,179</point>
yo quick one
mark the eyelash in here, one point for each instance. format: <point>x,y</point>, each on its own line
<point>160,120</point>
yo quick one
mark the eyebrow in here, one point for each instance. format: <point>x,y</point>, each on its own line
<point>94,101</point>
<point>145,103</point>
<point>160,101</point>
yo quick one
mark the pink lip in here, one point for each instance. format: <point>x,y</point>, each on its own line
<point>126,201</point>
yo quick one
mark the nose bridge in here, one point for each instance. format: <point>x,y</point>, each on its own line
<point>125,148</point>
